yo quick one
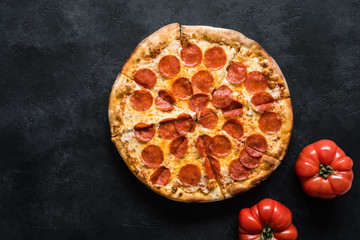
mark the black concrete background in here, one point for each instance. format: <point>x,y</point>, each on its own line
<point>62,178</point>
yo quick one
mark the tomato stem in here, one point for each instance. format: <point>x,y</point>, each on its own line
<point>266,234</point>
<point>325,171</point>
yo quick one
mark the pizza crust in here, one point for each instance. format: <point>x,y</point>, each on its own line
<point>128,159</point>
<point>270,67</point>
<point>122,88</point>
<point>287,126</point>
<point>212,34</point>
<point>182,196</point>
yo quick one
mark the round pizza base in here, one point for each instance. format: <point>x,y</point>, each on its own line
<point>122,123</point>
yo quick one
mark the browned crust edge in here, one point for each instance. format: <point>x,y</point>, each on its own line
<point>287,130</point>
<point>122,88</point>
<point>211,34</point>
<point>198,196</point>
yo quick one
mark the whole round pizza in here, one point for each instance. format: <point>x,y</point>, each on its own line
<point>200,113</point>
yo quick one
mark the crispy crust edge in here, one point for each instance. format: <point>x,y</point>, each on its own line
<point>287,130</point>
<point>212,34</point>
<point>151,46</point>
<point>122,88</point>
<point>198,197</point>
<point>240,187</point>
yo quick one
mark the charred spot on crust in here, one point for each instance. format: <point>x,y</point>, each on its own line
<point>116,130</point>
<point>274,81</point>
<point>211,185</point>
<point>174,189</point>
<point>266,72</point>
<point>154,52</point>
<point>185,41</point>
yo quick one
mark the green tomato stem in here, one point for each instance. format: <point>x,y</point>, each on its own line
<point>325,171</point>
<point>266,234</point>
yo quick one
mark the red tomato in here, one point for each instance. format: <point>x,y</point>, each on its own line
<point>324,170</point>
<point>267,220</point>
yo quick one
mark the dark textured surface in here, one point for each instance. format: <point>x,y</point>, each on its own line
<point>62,178</point>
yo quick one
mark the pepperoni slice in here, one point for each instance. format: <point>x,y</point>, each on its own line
<point>237,171</point>
<point>144,132</point>
<point>215,58</point>
<point>270,122</point>
<point>181,88</point>
<point>256,145</point>
<point>253,152</point>
<point>184,124</point>
<point>165,100</point>
<point>190,175</point>
<point>167,129</point>
<point>141,100</point>
<point>221,146</point>
<point>203,144</point>
<point>145,78</point>
<point>212,167</point>
<point>202,80</point>
<point>249,161</point>
<point>208,118</point>
<point>163,105</point>
<point>234,129</point>
<point>222,97</point>
<point>179,146</point>
<point>169,66</point>
<point>161,176</point>
<point>191,55</point>
<point>233,110</point>
<point>255,82</point>
<point>262,101</point>
<point>198,102</point>
<point>236,73</point>
<point>152,156</point>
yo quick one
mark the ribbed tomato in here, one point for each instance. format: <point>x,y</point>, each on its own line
<point>324,170</point>
<point>267,220</point>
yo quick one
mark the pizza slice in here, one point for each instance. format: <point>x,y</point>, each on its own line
<point>269,131</point>
<point>256,75</point>
<point>227,160</point>
<point>239,171</point>
<point>164,157</point>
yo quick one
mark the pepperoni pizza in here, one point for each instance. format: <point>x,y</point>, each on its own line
<point>200,114</point>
